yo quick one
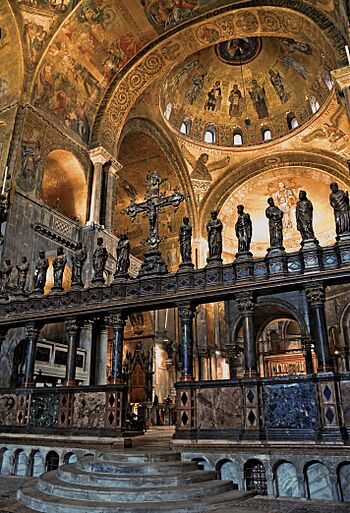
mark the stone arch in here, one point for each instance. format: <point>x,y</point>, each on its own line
<point>318,482</point>
<point>52,461</point>
<point>343,480</point>
<point>286,479</point>
<point>275,308</point>
<point>255,476</point>
<point>36,465</point>
<point>203,463</point>
<point>227,470</point>
<point>69,457</point>
<point>64,186</point>
<point>20,463</point>
<point>6,461</point>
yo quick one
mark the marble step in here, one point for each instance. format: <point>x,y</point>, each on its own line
<point>50,484</point>
<point>139,457</point>
<point>30,496</point>
<point>71,474</point>
<point>90,464</point>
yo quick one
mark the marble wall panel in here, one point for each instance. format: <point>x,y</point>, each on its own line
<point>89,410</point>
<point>290,406</point>
<point>319,483</point>
<point>44,409</point>
<point>345,398</point>
<point>287,480</point>
<point>219,408</point>
<point>7,409</point>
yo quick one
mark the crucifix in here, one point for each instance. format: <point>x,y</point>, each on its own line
<point>155,201</point>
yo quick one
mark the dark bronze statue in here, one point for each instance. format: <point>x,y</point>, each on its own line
<point>214,230</point>
<point>304,215</point>
<point>41,267</point>
<point>59,265</point>
<point>78,262</point>
<point>123,256</point>
<point>275,217</point>
<point>339,200</point>
<point>99,260</point>
<point>22,273</point>
<point>185,238</point>
<point>5,275</point>
<point>244,230</point>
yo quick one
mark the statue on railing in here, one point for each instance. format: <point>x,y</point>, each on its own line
<point>339,200</point>
<point>244,230</point>
<point>22,273</point>
<point>214,230</point>
<point>304,216</point>
<point>41,267</point>
<point>99,260</point>
<point>185,239</point>
<point>5,276</point>
<point>123,256</point>
<point>78,262</point>
<point>59,265</point>
<point>275,217</point>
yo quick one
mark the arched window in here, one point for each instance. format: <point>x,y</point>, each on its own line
<point>185,127</point>
<point>20,463</point>
<point>292,121</point>
<point>237,138</point>
<point>52,461</point>
<point>314,104</point>
<point>210,135</point>
<point>168,110</point>
<point>255,477</point>
<point>227,471</point>
<point>327,79</point>
<point>266,134</point>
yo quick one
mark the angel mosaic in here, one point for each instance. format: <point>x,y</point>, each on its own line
<point>201,168</point>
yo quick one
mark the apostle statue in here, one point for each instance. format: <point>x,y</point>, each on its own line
<point>5,275</point>
<point>339,200</point>
<point>304,215</point>
<point>214,229</point>
<point>123,256</point>
<point>244,230</point>
<point>275,217</point>
<point>185,238</point>
<point>41,267</point>
<point>99,260</point>
<point>78,262</point>
<point>22,273</point>
<point>59,265</point>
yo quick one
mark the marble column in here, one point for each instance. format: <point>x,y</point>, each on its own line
<point>341,79</point>
<point>245,305</point>
<point>72,330</point>
<point>117,322</point>
<point>85,342</point>
<point>186,315</point>
<point>101,355</point>
<point>99,156</point>
<point>111,179</point>
<point>316,299</point>
<point>32,335</point>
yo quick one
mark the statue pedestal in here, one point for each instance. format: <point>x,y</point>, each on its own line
<point>77,285</point>
<point>244,265</point>
<point>37,293</point>
<point>342,247</point>
<point>97,282</point>
<point>185,267</point>
<point>120,278</point>
<point>276,259</point>
<point>153,263</point>
<point>20,295</point>
<point>56,290</point>
<point>311,254</point>
<point>214,261</point>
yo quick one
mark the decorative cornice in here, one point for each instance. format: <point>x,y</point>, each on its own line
<point>99,155</point>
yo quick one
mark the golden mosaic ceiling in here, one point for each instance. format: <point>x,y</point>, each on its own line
<point>246,86</point>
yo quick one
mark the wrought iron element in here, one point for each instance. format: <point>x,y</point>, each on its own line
<point>155,201</point>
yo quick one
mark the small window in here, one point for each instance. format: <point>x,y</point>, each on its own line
<point>266,134</point>
<point>327,79</point>
<point>168,110</point>
<point>292,121</point>
<point>210,135</point>
<point>237,139</point>
<point>185,127</point>
<point>314,104</point>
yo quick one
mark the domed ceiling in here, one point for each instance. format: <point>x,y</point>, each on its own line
<point>246,86</point>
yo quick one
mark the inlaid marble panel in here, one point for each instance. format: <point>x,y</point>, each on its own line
<point>89,410</point>
<point>7,409</point>
<point>287,480</point>
<point>44,410</point>
<point>345,395</point>
<point>290,406</point>
<point>319,482</point>
<point>219,408</point>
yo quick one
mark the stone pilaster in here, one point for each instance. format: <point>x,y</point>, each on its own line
<point>99,156</point>
<point>111,179</point>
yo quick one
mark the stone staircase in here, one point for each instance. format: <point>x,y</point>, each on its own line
<point>131,482</point>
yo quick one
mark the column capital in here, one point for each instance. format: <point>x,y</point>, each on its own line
<point>245,302</point>
<point>32,330</point>
<point>117,320</point>
<point>88,324</point>
<point>114,168</point>
<point>186,311</point>
<point>341,77</point>
<point>99,155</point>
<point>72,327</point>
<point>315,294</point>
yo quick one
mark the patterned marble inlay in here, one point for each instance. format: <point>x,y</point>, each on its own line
<point>44,410</point>
<point>345,397</point>
<point>89,410</point>
<point>219,408</point>
<point>7,409</point>
<point>290,406</point>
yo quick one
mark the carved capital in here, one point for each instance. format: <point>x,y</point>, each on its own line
<point>114,167</point>
<point>99,155</point>
<point>233,351</point>
<point>88,324</point>
<point>32,331</point>
<point>117,320</point>
<point>315,295</point>
<point>245,302</point>
<point>72,327</point>
<point>186,311</point>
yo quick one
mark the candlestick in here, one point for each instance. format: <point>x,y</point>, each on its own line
<point>4,181</point>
